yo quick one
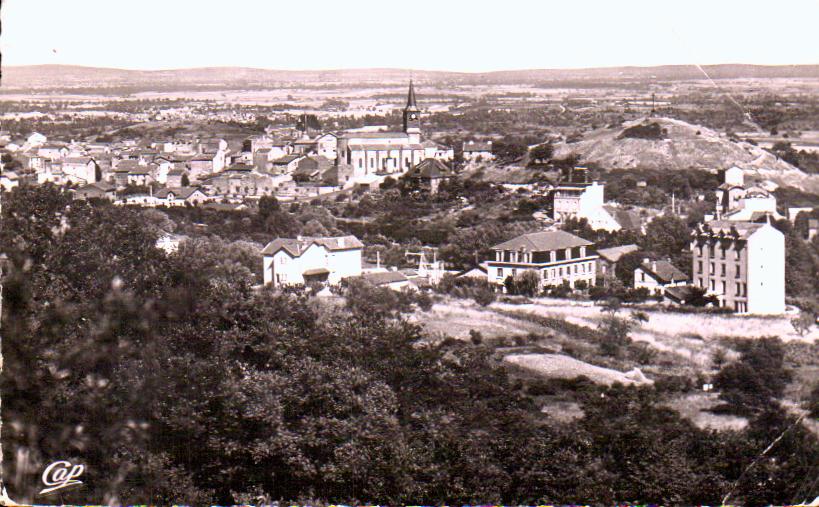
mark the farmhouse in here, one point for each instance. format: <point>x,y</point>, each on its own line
<point>428,175</point>
<point>656,276</point>
<point>473,150</point>
<point>99,190</point>
<point>609,257</point>
<point>556,256</point>
<point>180,196</point>
<point>300,260</point>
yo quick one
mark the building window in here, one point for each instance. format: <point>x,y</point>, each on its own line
<point>713,285</point>
<point>699,266</point>
<point>500,272</point>
<point>642,276</point>
<point>514,272</point>
<point>737,274</point>
<point>722,269</point>
<point>736,253</point>
<point>723,288</point>
<point>699,250</point>
<point>722,253</point>
<point>713,271</point>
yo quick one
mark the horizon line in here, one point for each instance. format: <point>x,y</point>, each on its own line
<point>408,69</point>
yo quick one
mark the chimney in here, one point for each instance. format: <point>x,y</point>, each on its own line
<point>646,260</point>
<point>654,266</point>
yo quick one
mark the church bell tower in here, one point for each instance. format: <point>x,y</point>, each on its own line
<point>412,117</point>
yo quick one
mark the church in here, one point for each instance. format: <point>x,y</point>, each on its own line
<point>374,155</point>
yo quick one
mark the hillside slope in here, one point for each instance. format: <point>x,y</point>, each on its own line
<point>683,146</point>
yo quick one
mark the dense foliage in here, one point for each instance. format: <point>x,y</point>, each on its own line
<point>174,381</point>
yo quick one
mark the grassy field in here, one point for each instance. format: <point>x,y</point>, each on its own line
<point>683,345</point>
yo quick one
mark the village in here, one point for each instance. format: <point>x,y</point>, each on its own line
<point>737,255</point>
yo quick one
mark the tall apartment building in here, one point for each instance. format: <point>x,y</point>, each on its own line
<point>742,263</point>
<point>556,256</point>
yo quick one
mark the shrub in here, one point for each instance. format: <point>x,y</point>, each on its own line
<point>475,337</point>
<point>540,387</point>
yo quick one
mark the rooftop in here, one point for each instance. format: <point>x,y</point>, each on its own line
<point>664,271</point>
<point>297,246</point>
<point>614,253</point>
<point>543,242</point>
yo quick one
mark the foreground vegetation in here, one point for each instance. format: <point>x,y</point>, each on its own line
<point>174,381</point>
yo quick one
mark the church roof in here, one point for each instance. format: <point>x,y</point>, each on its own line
<point>385,147</point>
<point>374,135</point>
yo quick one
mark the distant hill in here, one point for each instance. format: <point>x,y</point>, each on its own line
<point>69,76</point>
<point>681,146</point>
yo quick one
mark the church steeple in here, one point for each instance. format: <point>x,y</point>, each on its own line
<point>412,117</point>
<point>411,97</point>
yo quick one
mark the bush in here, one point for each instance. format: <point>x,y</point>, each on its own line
<point>813,402</point>
<point>652,131</point>
<point>757,379</point>
<point>475,337</point>
<point>540,387</point>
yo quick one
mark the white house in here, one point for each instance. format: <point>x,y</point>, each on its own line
<point>478,151</point>
<point>180,196</point>
<point>327,145</point>
<point>296,261</point>
<point>80,169</point>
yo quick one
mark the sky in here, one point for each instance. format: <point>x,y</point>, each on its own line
<point>466,36</point>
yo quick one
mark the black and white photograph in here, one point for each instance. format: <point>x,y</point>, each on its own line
<point>416,252</point>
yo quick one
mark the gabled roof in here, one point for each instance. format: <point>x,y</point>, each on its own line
<point>385,277</point>
<point>543,242</point>
<point>663,271</point>
<point>296,246</point>
<point>78,160</point>
<point>429,168</point>
<point>178,192</point>
<point>614,253</point>
<point>100,185</point>
<point>287,159</point>
<point>628,219</point>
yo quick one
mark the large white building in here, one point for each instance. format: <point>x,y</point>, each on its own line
<point>296,261</point>
<point>556,256</point>
<point>577,197</point>
<point>742,264</point>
